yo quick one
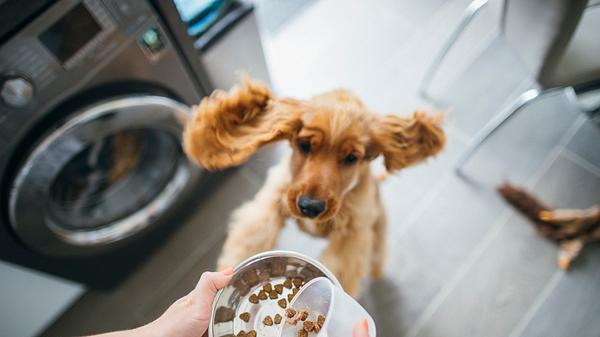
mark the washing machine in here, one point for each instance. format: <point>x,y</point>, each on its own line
<point>93,98</point>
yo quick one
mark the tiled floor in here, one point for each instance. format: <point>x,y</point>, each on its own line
<point>461,263</point>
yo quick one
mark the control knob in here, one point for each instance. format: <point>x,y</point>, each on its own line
<point>16,91</point>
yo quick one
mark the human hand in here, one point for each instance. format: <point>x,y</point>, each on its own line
<point>361,329</point>
<point>190,315</point>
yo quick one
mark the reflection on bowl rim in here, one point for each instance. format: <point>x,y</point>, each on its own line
<point>262,256</point>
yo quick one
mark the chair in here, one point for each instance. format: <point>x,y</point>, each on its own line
<point>558,41</point>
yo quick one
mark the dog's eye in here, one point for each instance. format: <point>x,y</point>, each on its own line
<point>350,159</point>
<point>304,146</point>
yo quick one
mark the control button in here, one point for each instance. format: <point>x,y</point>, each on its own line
<point>16,92</point>
<point>152,40</point>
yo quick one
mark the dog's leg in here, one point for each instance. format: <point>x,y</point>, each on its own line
<point>255,226</point>
<point>379,246</point>
<point>348,256</point>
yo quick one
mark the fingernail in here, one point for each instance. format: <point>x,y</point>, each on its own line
<point>227,271</point>
<point>366,324</point>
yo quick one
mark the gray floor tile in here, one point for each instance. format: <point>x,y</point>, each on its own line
<point>273,14</point>
<point>498,288</point>
<point>184,284</point>
<point>417,12</point>
<point>572,308</point>
<point>586,142</point>
<point>336,44</point>
<point>519,147</point>
<point>494,293</point>
<point>492,80</point>
<point>424,256</point>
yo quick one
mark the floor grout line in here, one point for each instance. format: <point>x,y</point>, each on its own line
<point>422,205</point>
<point>582,162</point>
<point>537,304</point>
<point>458,276</point>
<point>439,299</point>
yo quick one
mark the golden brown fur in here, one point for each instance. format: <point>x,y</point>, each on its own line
<point>342,137</point>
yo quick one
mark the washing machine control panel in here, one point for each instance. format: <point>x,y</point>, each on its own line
<point>62,45</point>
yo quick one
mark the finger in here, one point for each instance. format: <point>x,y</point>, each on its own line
<point>361,329</point>
<point>207,287</point>
<point>211,282</point>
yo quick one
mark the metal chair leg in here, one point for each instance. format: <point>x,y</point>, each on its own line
<point>467,17</point>
<point>482,135</point>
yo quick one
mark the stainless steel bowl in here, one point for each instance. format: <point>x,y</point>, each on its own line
<point>249,276</point>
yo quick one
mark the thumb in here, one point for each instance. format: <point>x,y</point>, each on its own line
<point>203,295</point>
<point>361,329</point>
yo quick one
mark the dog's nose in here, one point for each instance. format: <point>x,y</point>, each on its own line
<point>310,207</point>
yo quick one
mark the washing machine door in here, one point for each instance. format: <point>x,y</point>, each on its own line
<point>109,172</point>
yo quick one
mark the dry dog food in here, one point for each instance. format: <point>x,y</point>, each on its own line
<point>268,287</point>
<point>245,316</point>
<point>302,314</point>
<point>224,314</point>
<point>287,283</point>
<point>321,320</point>
<point>262,295</point>
<point>308,325</point>
<point>277,318</point>
<point>282,303</point>
<point>253,299</point>
<point>292,318</point>
<point>251,333</point>
<point>273,295</point>
<point>279,288</point>
<point>297,282</point>
<point>268,321</point>
<point>290,312</point>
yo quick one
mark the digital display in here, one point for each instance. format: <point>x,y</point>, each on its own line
<point>66,36</point>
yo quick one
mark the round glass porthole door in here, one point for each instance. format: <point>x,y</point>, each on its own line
<point>103,176</point>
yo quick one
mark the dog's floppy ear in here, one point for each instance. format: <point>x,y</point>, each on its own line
<point>405,141</point>
<point>228,127</point>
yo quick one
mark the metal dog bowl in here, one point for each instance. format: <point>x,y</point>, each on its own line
<point>249,276</point>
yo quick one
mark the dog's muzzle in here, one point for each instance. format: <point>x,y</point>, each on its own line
<point>310,207</point>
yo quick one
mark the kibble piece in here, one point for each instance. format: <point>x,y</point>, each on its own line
<point>297,282</point>
<point>316,328</point>
<point>245,316</point>
<point>251,333</point>
<point>253,299</point>
<point>262,295</point>
<point>287,283</point>
<point>268,287</point>
<point>279,288</point>
<point>302,333</point>
<point>282,303</point>
<point>224,314</point>
<point>302,314</point>
<point>291,321</point>
<point>295,291</point>
<point>321,320</point>
<point>290,312</point>
<point>308,326</point>
<point>268,321</point>
<point>242,333</point>
<point>290,297</point>
<point>277,318</point>
<point>273,294</point>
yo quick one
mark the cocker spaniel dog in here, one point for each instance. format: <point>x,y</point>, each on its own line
<point>326,184</point>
